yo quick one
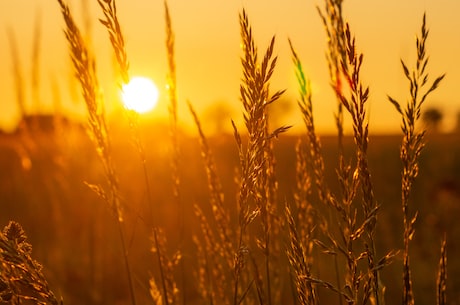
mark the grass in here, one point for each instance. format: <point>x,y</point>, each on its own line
<point>85,71</point>
<point>22,278</point>
<point>413,143</point>
<point>258,245</point>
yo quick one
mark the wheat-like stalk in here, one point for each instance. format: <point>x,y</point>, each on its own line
<point>166,266</point>
<point>85,71</point>
<point>334,26</point>
<point>441,280</point>
<point>221,215</point>
<point>345,63</point>
<point>21,277</point>
<point>344,209</point>
<point>118,43</point>
<point>413,143</point>
<point>174,134</point>
<point>111,23</point>
<point>256,161</point>
<point>217,255</point>
<point>299,257</point>
<point>171,77</point>
<point>172,93</point>
<point>355,105</point>
<point>315,153</point>
<point>214,264</point>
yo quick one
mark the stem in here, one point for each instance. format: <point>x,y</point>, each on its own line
<point>267,266</point>
<point>126,261</point>
<point>336,265</point>
<point>163,281</point>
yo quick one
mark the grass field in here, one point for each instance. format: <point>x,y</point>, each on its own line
<point>133,212</point>
<point>74,237</point>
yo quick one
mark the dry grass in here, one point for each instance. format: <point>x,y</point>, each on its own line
<point>258,186</point>
<point>361,286</point>
<point>257,248</point>
<point>21,277</point>
<point>413,143</point>
<point>441,281</point>
<point>85,71</point>
<point>215,246</point>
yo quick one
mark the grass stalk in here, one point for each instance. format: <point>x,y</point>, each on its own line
<point>35,73</point>
<point>116,37</point>
<point>117,40</point>
<point>256,160</point>
<point>344,63</point>
<point>166,267</point>
<point>174,136</point>
<point>157,250</point>
<point>412,144</point>
<point>306,292</point>
<point>172,93</point>
<point>112,25</point>
<point>441,280</point>
<point>21,277</point>
<point>314,156</point>
<point>334,26</point>
<point>85,71</point>
<point>221,216</point>
<point>118,43</point>
<point>356,107</point>
<point>126,262</point>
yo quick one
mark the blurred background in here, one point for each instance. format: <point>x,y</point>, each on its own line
<point>208,54</point>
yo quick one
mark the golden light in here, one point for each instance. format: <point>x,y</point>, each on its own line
<point>140,94</point>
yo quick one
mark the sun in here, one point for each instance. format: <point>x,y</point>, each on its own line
<point>140,94</point>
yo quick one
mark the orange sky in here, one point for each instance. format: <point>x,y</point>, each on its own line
<point>207,52</point>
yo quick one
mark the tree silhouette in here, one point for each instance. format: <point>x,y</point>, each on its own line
<point>432,118</point>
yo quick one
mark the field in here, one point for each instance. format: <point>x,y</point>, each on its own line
<point>136,212</point>
<point>74,236</point>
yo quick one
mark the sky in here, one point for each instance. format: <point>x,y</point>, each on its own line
<point>208,54</point>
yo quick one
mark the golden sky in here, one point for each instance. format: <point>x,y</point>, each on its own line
<point>208,52</point>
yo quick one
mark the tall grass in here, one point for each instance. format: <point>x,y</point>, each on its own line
<point>258,185</point>
<point>441,280</point>
<point>259,247</point>
<point>21,278</point>
<point>85,71</point>
<point>413,142</point>
<point>175,141</point>
<point>215,247</point>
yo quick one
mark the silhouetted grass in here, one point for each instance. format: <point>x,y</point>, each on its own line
<point>260,245</point>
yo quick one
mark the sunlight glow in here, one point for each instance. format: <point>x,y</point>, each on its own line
<point>140,94</point>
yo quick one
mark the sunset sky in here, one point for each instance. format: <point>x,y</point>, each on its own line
<point>208,53</point>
